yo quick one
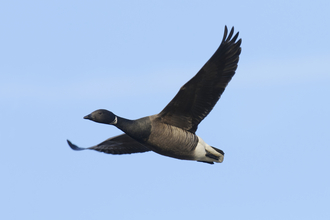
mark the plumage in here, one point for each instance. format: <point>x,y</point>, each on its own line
<point>121,144</point>
<point>172,131</point>
<point>198,96</point>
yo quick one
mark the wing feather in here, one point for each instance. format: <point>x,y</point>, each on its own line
<point>122,144</point>
<point>197,97</point>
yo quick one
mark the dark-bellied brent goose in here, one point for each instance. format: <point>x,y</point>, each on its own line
<point>172,131</point>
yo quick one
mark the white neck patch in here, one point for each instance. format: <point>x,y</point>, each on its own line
<point>114,121</point>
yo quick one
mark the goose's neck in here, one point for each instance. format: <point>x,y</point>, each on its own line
<point>114,122</point>
<point>122,123</point>
<point>138,129</point>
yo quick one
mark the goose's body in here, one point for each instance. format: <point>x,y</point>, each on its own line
<point>172,131</point>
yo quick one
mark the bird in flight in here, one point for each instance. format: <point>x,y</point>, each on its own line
<point>172,132</point>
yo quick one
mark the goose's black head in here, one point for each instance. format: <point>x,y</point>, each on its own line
<point>102,116</point>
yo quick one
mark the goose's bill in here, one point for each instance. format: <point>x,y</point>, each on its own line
<point>88,117</point>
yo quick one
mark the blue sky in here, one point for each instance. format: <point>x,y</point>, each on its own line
<point>60,60</point>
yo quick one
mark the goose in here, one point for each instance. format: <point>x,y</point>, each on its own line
<point>172,132</point>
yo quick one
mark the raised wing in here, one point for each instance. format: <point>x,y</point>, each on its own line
<point>198,96</point>
<point>122,144</point>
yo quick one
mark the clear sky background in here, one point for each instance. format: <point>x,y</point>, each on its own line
<point>60,60</point>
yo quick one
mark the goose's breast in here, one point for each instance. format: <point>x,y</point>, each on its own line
<point>172,141</point>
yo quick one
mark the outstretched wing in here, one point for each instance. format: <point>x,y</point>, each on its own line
<point>198,96</point>
<point>122,144</point>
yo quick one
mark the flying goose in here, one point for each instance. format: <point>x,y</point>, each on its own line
<point>172,131</point>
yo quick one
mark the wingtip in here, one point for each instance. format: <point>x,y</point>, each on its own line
<point>229,37</point>
<point>74,147</point>
<point>225,34</point>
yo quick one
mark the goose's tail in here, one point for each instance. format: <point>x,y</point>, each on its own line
<point>208,154</point>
